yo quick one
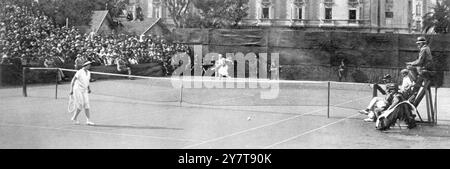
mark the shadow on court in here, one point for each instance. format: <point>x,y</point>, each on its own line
<point>135,127</point>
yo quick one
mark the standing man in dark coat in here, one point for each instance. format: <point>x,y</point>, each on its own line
<point>422,65</point>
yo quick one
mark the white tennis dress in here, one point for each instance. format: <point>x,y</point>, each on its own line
<point>80,89</point>
<point>223,69</point>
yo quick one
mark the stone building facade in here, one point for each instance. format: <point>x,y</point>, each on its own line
<point>384,16</point>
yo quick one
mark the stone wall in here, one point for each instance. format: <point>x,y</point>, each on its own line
<point>316,55</point>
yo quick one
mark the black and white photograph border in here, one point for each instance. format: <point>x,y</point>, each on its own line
<point>233,74</point>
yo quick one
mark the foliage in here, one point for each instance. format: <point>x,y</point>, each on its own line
<point>78,12</point>
<point>178,10</point>
<point>115,7</point>
<point>438,21</point>
<point>207,14</point>
<point>221,13</point>
<point>193,21</point>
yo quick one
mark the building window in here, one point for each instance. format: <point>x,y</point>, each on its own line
<point>328,13</point>
<point>298,5</point>
<point>390,15</point>
<point>266,5</point>
<point>418,10</point>
<point>265,13</point>
<point>156,12</point>
<point>300,13</point>
<point>328,4</point>
<point>156,8</point>
<point>389,5</point>
<point>389,9</point>
<point>352,14</point>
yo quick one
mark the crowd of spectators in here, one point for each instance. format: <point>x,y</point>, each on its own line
<point>28,35</point>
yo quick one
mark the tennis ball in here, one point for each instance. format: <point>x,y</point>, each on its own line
<point>249,118</point>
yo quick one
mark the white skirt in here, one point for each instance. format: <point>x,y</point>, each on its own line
<point>223,71</point>
<point>81,99</point>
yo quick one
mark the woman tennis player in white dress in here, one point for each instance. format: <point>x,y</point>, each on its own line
<point>222,65</point>
<point>80,91</point>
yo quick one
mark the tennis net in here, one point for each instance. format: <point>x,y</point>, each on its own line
<point>236,94</point>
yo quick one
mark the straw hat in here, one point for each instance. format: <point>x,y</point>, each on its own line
<point>421,40</point>
<point>87,63</point>
<point>404,71</point>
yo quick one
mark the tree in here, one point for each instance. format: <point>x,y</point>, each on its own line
<point>178,10</point>
<point>221,13</point>
<point>116,8</point>
<point>239,10</point>
<point>79,12</point>
<point>438,21</point>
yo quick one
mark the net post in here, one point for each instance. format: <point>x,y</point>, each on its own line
<point>329,96</point>
<point>181,93</point>
<point>56,84</point>
<point>435,105</point>
<point>429,105</point>
<point>24,82</point>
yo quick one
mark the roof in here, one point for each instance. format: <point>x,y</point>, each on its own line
<point>152,25</point>
<point>141,27</point>
<point>98,17</point>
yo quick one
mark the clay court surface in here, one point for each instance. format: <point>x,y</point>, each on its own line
<point>143,115</point>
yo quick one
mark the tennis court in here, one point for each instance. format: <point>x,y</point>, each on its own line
<point>151,114</point>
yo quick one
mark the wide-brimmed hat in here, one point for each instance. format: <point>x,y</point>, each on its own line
<point>421,40</point>
<point>87,63</point>
<point>387,77</point>
<point>404,71</point>
<point>392,86</point>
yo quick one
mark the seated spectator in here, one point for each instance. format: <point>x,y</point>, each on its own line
<point>5,59</point>
<point>398,110</point>
<point>407,84</point>
<point>50,63</point>
<point>123,66</point>
<point>133,61</point>
<point>380,104</point>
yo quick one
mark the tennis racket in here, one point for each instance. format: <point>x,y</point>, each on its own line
<point>71,105</point>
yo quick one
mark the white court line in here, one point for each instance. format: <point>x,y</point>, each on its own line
<point>266,125</point>
<point>28,106</point>
<point>161,111</point>
<point>310,131</point>
<point>98,132</point>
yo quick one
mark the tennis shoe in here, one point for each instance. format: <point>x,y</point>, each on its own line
<point>369,120</point>
<point>76,122</point>
<point>364,112</point>
<point>89,123</point>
